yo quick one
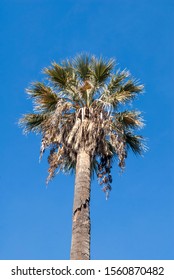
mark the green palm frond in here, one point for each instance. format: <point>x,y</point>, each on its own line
<point>101,69</point>
<point>130,119</point>
<point>116,80</point>
<point>71,73</point>
<point>32,122</point>
<point>82,65</point>
<point>120,93</point>
<point>113,100</point>
<point>135,143</point>
<point>132,86</point>
<point>57,74</point>
<point>45,99</point>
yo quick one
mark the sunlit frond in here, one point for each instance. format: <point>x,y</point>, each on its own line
<point>45,100</point>
<point>130,119</point>
<point>101,69</point>
<point>32,122</point>
<point>57,74</point>
<point>116,80</point>
<point>124,93</point>
<point>132,86</point>
<point>82,66</point>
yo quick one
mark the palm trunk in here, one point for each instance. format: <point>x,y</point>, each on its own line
<point>80,244</point>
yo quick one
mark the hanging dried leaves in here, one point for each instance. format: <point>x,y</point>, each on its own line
<point>79,110</point>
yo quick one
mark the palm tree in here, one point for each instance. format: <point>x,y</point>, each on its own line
<point>77,112</point>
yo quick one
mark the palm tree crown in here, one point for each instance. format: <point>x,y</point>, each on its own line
<point>79,108</point>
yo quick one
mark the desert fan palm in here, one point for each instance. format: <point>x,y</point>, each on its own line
<point>77,111</point>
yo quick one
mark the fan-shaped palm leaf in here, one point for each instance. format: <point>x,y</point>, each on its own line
<point>129,119</point>
<point>33,122</point>
<point>135,142</point>
<point>45,99</point>
<point>57,74</point>
<point>101,69</point>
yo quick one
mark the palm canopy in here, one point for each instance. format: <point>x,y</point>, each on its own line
<point>79,108</point>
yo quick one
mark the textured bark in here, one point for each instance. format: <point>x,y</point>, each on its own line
<point>80,244</point>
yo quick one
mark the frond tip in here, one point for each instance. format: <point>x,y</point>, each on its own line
<point>32,122</point>
<point>101,69</point>
<point>82,65</point>
<point>45,100</point>
<point>130,119</point>
<point>135,143</point>
<point>57,74</point>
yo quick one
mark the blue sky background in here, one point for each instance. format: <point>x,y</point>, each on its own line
<point>137,221</point>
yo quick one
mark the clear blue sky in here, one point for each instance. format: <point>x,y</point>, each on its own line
<point>137,221</point>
